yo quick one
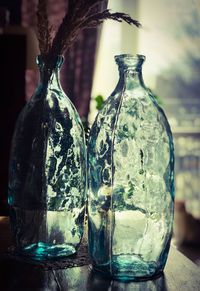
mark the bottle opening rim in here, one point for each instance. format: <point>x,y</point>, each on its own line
<point>129,57</point>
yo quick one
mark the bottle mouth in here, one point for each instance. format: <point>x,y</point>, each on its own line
<point>49,61</point>
<point>128,60</point>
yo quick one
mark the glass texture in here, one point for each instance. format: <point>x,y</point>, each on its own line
<point>47,179</point>
<point>130,180</point>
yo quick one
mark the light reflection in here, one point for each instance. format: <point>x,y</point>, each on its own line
<point>98,283</point>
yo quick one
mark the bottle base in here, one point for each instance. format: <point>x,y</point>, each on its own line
<point>129,268</point>
<point>126,278</point>
<point>47,251</point>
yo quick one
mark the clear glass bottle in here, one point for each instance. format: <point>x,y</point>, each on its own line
<point>47,179</point>
<point>130,180</point>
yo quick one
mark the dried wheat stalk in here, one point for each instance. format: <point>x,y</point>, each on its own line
<point>44,30</point>
<point>78,17</point>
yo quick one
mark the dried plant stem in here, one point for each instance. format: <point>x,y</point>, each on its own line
<point>44,30</point>
<point>70,26</point>
<point>98,18</point>
<point>79,16</point>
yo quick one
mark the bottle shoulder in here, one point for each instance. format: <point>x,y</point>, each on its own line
<point>138,104</point>
<point>128,114</point>
<point>51,107</point>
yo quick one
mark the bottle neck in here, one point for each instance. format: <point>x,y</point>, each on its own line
<point>49,69</point>
<point>129,79</point>
<point>49,77</point>
<point>130,71</point>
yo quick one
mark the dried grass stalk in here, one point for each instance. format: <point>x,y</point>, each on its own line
<point>78,17</point>
<point>44,30</point>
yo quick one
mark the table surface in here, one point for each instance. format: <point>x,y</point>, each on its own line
<point>179,274</point>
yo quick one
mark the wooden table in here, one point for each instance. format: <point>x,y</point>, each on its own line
<point>180,274</point>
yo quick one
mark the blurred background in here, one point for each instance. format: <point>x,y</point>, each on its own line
<point>170,40</point>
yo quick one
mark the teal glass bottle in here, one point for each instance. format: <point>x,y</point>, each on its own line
<point>47,178</point>
<point>130,180</point>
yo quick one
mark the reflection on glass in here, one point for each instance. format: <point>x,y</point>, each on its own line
<point>98,282</point>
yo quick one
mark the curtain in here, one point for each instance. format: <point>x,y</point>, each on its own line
<point>77,70</point>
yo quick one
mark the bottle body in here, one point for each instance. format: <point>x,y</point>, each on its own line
<point>47,174</point>
<point>130,182</point>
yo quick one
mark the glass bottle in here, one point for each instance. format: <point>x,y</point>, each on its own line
<point>47,178</point>
<point>130,180</point>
